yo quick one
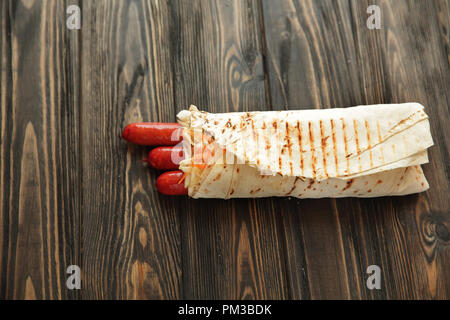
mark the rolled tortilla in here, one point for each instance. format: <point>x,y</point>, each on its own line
<point>364,151</point>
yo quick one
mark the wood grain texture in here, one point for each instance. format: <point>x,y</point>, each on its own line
<point>131,234</point>
<point>39,213</point>
<point>320,54</point>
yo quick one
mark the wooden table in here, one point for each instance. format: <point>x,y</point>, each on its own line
<point>73,193</point>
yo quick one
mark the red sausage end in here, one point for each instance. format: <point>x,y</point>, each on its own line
<point>168,183</point>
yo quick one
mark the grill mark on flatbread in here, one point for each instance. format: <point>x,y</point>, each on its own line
<point>256,138</point>
<point>300,143</point>
<point>333,134</point>
<point>344,126</point>
<point>379,132</point>
<point>405,145</point>
<point>280,161</point>
<point>254,191</point>
<point>288,139</point>
<point>348,185</point>
<point>293,186</point>
<point>311,182</point>
<point>369,143</point>
<point>403,121</point>
<point>358,150</point>
<point>323,145</point>
<point>289,146</point>
<point>311,143</point>
<point>231,188</point>
<point>243,140</point>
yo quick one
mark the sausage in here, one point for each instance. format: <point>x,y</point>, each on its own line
<point>153,133</point>
<point>170,183</point>
<point>165,158</point>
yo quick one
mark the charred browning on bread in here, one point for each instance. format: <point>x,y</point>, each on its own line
<point>348,185</point>
<point>254,191</point>
<point>369,143</point>
<point>358,149</point>
<point>323,144</point>
<point>300,143</point>
<point>403,121</point>
<point>333,135</point>
<point>313,156</point>
<point>380,139</point>
<point>344,126</point>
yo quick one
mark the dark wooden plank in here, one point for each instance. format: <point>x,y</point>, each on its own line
<point>320,54</point>
<point>231,249</point>
<point>131,236</point>
<point>39,193</point>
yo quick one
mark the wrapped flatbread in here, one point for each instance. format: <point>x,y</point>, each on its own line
<point>364,151</point>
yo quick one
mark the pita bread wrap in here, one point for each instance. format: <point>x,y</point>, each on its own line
<point>364,151</point>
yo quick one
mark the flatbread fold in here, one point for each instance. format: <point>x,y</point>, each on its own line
<point>363,151</point>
